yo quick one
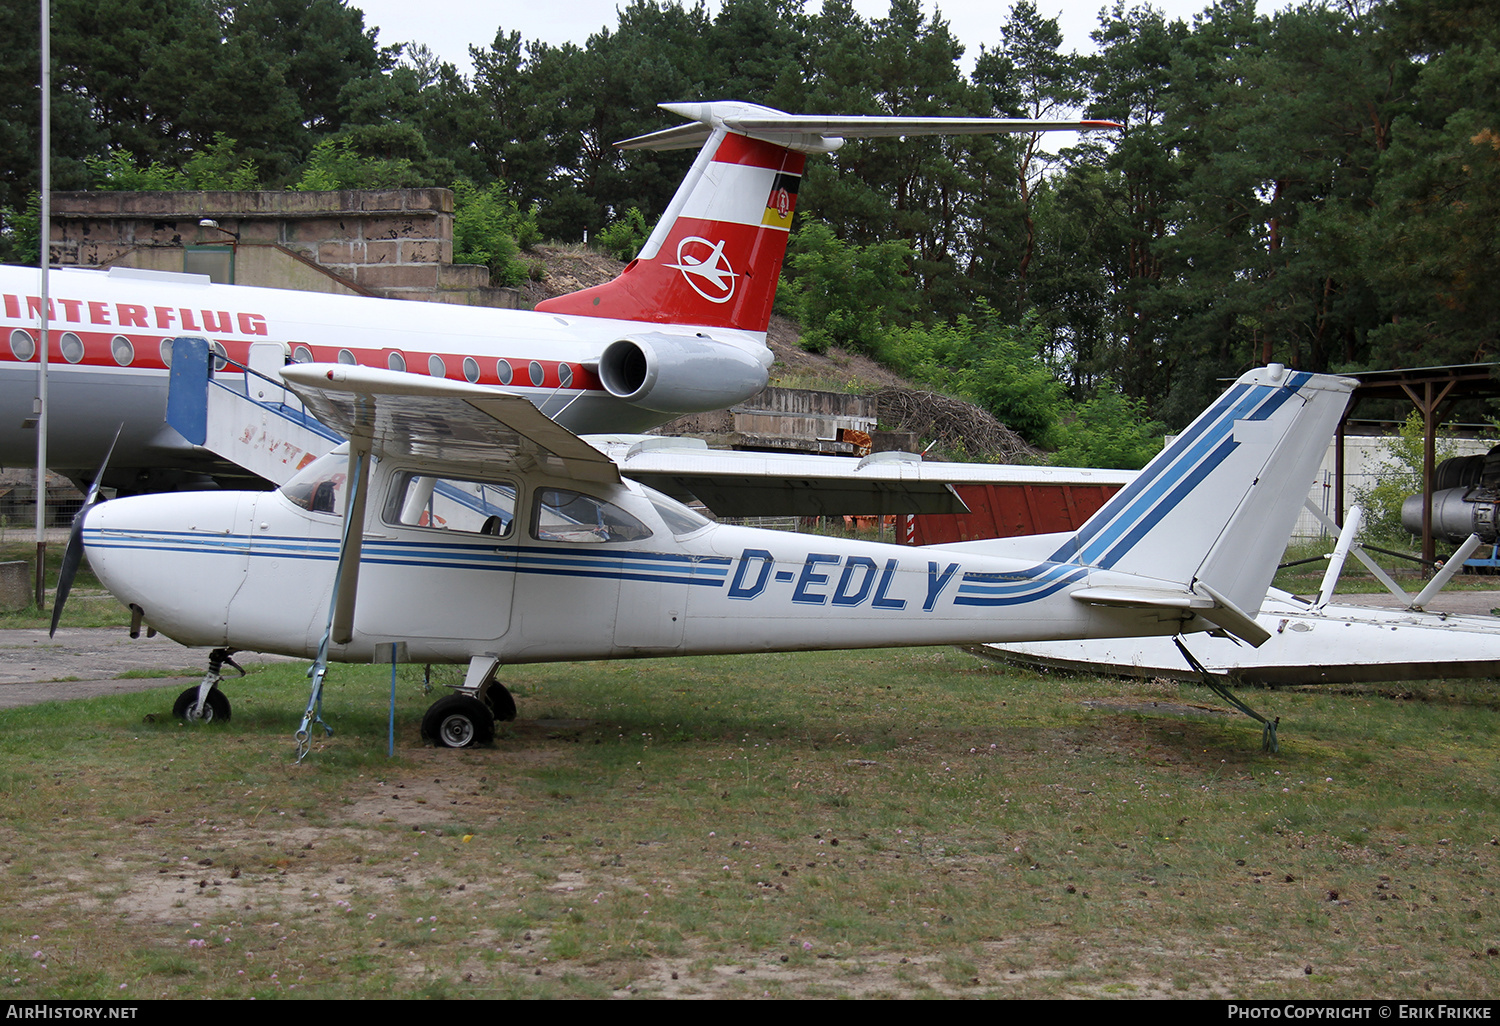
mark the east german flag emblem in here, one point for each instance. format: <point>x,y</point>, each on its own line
<point>782,202</point>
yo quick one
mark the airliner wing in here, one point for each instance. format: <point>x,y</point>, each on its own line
<point>412,416</point>
<point>749,484</point>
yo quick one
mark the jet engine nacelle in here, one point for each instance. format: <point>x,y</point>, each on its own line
<point>1456,514</point>
<point>1465,499</point>
<point>679,373</point>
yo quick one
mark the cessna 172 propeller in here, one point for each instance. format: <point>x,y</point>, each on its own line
<point>475,530</point>
<point>681,330</point>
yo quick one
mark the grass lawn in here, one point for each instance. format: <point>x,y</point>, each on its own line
<point>897,823</point>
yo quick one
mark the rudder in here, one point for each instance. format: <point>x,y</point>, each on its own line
<point>1217,506</point>
<point>715,257</point>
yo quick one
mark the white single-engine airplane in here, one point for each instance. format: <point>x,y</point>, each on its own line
<point>476,531</point>
<point>681,330</point>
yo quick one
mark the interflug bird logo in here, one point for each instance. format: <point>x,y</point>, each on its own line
<point>705,268</point>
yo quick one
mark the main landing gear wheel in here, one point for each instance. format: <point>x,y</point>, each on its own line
<point>459,721</point>
<point>501,703</point>
<point>215,707</point>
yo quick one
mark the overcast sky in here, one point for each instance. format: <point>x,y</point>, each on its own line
<point>450,27</point>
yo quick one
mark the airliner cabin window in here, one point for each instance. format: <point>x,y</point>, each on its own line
<point>452,504</point>
<point>568,516</point>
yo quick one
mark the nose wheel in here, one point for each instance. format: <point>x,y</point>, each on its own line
<point>215,706</point>
<point>458,721</point>
<point>204,702</point>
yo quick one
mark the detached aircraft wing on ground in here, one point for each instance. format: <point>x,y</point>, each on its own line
<point>1312,641</point>
<point>462,526</point>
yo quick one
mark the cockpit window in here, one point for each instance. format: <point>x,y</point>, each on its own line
<point>452,504</point>
<point>319,486</point>
<point>569,516</point>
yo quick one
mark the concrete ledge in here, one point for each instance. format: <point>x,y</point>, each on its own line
<point>15,585</point>
<point>421,203</point>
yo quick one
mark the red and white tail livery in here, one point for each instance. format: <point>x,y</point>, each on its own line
<point>715,257</point>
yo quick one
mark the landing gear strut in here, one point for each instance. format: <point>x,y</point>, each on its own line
<point>205,703</point>
<point>467,718</point>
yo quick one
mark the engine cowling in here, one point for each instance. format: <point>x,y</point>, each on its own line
<point>1456,514</point>
<point>1465,499</point>
<point>679,374</point>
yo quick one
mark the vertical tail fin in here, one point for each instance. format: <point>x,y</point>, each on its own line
<point>1215,509</point>
<point>715,257</point>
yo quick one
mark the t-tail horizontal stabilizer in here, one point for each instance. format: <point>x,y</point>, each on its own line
<point>715,256</point>
<point>1214,510</point>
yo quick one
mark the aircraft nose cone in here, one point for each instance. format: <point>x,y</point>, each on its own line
<point>179,557</point>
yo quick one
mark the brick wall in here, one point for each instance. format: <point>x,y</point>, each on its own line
<point>396,243</point>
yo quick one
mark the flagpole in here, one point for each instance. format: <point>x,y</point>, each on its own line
<point>45,233</point>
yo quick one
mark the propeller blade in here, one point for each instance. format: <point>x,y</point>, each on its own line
<point>73,555</point>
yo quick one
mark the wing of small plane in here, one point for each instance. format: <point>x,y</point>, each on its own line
<point>396,414</point>
<point>273,439</point>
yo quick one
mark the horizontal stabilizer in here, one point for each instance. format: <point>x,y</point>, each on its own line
<point>1211,606</point>
<point>822,133</point>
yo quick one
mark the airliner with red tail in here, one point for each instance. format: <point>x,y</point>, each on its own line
<point>681,330</point>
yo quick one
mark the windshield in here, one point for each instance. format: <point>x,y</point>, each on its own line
<point>319,486</point>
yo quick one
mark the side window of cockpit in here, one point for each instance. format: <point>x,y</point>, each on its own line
<point>679,518</point>
<point>452,504</point>
<point>568,516</point>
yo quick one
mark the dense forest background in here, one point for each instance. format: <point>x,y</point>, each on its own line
<point>1318,186</point>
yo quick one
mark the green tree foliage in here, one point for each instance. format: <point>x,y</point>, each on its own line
<point>1030,77</point>
<point>20,232</point>
<point>1108,430</point>
<point>1430,246</point>
<point>842,294</point>
<point>624,236</point>
<point>993,364</point>
<point>338,164</point>
<point>218,166</point>
<point>488,228</point>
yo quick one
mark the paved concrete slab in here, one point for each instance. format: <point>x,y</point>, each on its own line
<point>88,661</point>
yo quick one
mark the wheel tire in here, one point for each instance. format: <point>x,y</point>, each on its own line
<point>215,709</point>
<point>458,721</point>
<point>501,702</point>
